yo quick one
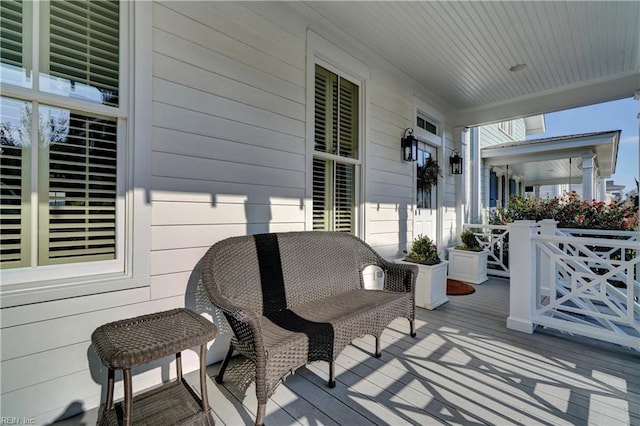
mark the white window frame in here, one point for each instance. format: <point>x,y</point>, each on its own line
<point>425,111</point>
<point>332,58</point>
<point>508,128</point>
<point>430,120</point>
<point>32,284</point>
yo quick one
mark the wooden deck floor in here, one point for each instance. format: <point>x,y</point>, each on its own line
<point>464,367</point>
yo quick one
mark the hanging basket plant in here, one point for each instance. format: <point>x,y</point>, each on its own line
<point>428,174</point>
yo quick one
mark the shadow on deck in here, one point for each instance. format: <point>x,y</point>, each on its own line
<point>464,367</point>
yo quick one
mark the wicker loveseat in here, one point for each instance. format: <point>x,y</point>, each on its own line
<point>292,298</point>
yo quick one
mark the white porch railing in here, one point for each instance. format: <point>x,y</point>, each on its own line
<point>582,285</point>
<point>623,235</point>
<point>494,238</point>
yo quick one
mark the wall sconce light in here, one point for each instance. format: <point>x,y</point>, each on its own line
<point>455,162</point>
<point>409,145</point>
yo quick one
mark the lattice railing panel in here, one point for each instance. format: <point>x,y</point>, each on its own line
<point>495,239</point>
<point>596,287</point>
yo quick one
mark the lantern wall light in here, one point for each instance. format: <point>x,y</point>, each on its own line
<point>409,145</point>
<point>456,163</point>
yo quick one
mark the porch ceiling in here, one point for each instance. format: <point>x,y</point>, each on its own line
<point>576,52</point>
<point>555,160</point>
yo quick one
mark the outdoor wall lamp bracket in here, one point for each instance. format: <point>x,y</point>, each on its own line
<point>455,162</point>
<point>409,145</point>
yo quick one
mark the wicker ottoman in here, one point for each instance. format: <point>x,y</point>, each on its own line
<point>124,344</point>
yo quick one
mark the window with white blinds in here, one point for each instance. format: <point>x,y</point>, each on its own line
<point>11,33</point>
<point>336,156</point>
<point>82,54</point>
<point>59,177</point>
<point>15,132</point>
<point>507,127</point>
<point>321,194</point>
<point>78,179</point>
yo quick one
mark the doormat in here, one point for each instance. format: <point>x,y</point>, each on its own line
<point>458,288</point>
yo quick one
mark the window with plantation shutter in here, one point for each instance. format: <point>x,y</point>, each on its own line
<point>60,197</point>
<point>321,195</point>
<point>82,56</point>
<point>14,189</point>
<point>78,179</point>
<point>507,127</point>
<point>11,33</point>
<point>336,155</point>
<point>344,220</point>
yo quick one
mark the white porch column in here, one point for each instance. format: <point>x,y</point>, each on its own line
<point>465,178</point>
<point>476,172</point>
<point>486,190</point>
<point>588,176</point>
<point>522,287</point>
<point>499,194</point>
<point>602,196</point>
<point>462,195</point>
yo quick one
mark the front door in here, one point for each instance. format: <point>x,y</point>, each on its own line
<point>425,217</point>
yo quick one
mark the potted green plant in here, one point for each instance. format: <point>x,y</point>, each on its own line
<point>431,283</point>
<point>468,261</point>
<point>469,241</point>
<point>423,251</point>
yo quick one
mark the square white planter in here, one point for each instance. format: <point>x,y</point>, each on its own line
<point>431,284</point>
<point>468,266</point>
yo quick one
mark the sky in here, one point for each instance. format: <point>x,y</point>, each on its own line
<point>616,115</point>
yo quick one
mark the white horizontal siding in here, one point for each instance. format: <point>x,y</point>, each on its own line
<point>226,68</point>
<point>183,120</point>
<point>450,208</point>
<point>217,106</point>
<point>193,76</point>
<point>228,158</point>
<point>170,285</point>
<point>491,134</point>
<point>389,187</point>
<point>50,360</point>
<point>519,129</point>
<point>39,312</point>
<point>190,190</point>
<point>189,214</point>
<point>203,25</point>
<point>27,371</point>
<point>50,334</point>
<point>171,141</point>
<point>191,167</point>
<point>177,236</point>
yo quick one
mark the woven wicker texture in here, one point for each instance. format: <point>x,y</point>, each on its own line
<point>354,314</point>
<point>135,341</point>
<point>172,404</point>
<point>291,298</point>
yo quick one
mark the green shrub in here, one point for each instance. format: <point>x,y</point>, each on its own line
<point>469,241</point>
<point>423,250</point>
<point>570,212</point>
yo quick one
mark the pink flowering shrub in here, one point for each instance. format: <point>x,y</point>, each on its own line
<point>570,212</point>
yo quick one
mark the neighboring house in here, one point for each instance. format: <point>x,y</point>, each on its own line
<point>500,185</point>
<point>542,168</point>
<point>137,134</point>
<point>613,192</point>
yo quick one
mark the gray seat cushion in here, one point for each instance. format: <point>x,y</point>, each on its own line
<point>326,326</point>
